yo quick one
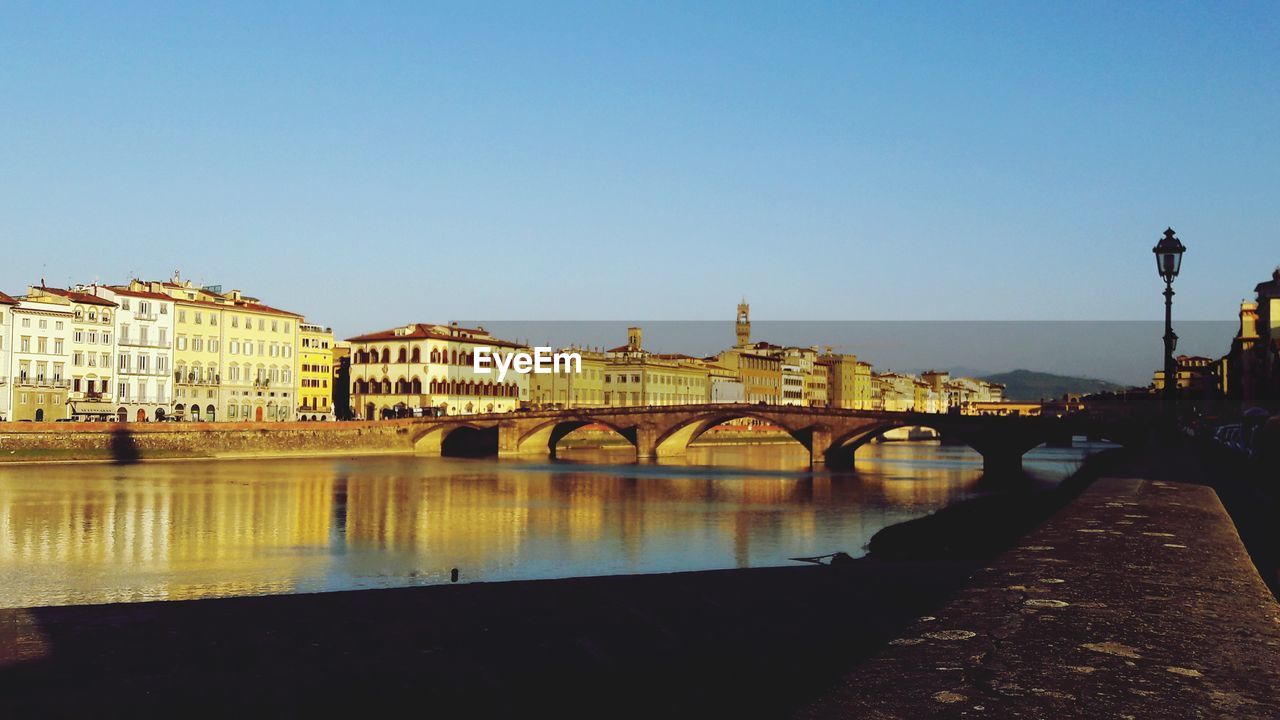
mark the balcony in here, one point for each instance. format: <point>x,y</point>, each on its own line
<point>194,379</point>
<point>148,315</point>
<point>147,343</point>
<point>41,382</point>
<point>148,372</point>
<point>262,383</point>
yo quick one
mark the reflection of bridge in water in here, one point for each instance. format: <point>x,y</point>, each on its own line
<point>831,435</point>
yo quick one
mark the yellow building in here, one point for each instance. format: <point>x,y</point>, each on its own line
<point>636,377</point>
<point>567,389</point>
<point>759,372</point>
<point>235,358</point>
<point>40,341</point>
<point>315,373</point>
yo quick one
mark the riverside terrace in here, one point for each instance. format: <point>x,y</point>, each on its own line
<point>831,435</point>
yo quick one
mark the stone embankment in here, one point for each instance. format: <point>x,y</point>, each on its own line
<point>1137,600</point>
<point>127,442</point>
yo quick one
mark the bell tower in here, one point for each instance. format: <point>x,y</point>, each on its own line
<point>743,325</point>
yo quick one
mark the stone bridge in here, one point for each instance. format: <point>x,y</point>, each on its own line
<point>831,435</point>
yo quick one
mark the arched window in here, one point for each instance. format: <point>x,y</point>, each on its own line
<point>415,387</point>
<point>415,356</point>
<point>401,356</point>
<point>386,356</point>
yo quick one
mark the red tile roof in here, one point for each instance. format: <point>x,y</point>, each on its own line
<point>7,300</point>
<point>80,297</point>
<point>120,290</point>
<point>236,304</point>
<point>424,331</point>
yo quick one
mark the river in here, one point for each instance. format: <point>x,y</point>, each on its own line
<point>97,533</point>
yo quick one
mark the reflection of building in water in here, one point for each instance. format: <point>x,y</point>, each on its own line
<point>186,530</point>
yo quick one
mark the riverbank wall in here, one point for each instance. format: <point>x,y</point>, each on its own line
<point>129,442</point>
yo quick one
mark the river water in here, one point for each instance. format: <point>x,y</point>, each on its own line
<point>72,534</point>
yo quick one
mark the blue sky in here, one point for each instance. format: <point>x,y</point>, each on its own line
<point>373,163</point>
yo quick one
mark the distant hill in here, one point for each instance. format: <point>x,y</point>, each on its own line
<point>1029,386</point>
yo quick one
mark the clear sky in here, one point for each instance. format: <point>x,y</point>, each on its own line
<point>373,163</point>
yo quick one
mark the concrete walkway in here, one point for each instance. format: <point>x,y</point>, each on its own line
<point>1136,601</point>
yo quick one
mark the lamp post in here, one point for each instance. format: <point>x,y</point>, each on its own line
<point>1168,261</point>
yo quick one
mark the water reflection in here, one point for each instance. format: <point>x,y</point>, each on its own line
<point>102,533</point>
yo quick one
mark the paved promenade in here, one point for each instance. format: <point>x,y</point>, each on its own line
<point>1136,601</point>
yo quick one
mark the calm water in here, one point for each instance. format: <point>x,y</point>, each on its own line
<point>102,533</point>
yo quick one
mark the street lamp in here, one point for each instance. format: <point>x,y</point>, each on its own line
<point>1168,261</point>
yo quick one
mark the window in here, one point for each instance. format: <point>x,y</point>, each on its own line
<point>182,342</point>
<point>106,338</point>
<point>164,309</point>
<point>213,318</point>
<point>78,336</point>
<point>44,324</point>
<point>124,303</point>
<point>182,316</point>
<point>235,323</point>
<point>42,345</point>
<point>58,324</point>
<point>93,337</point>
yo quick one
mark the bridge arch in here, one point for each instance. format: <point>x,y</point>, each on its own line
<point>543,439</point>
<point>457,438</point>
<point>675,439</point>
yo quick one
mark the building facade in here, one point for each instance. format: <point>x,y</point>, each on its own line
<point>38,362</point>
<point>92,353</point>
<point>234,356</point>
<point>145,372</point>
<point>315,373</point>
<point>636,377</point>
<point>565,389</point>
<point>6,349</point>
<point>424,368</point>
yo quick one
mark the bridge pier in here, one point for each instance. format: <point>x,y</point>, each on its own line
<point>645,438</point>
<point>508,439</point>
<point>819,445</point>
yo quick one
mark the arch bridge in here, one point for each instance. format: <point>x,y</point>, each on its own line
<point>831,435</point>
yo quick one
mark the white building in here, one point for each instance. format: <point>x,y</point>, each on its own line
<point>792,385</point>
<point>6,350</point>
<point>92,349</point>
<point>144,353</point>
